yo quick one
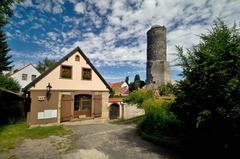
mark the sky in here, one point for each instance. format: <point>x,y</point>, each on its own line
<point>112,33</point>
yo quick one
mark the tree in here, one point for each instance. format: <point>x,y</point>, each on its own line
<point>207,100</point>
<point>136,84</point>
<point>6,13</point>
<point>127,80</point>
<point>45,64</point>
<point>137,78</point>
<point>4,58</point>
<point>9,84</point>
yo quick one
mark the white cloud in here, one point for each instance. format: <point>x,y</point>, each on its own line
<point>103,6</point>
<point>51,6</point>
<point>122,41</point>
<point>80,7</point>
<point>26,3</point>
<point>36,26</point>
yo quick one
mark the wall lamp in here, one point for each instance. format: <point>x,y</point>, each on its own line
<point>48,90</point>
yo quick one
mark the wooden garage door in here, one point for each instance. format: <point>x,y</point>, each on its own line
<point>97,111</point>
<point>66,103</point>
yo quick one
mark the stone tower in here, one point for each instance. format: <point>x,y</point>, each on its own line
<point>157,65</point>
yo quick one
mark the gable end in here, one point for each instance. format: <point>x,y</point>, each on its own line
<point>77,49</point>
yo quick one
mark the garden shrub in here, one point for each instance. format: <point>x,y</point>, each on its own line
<point>158,118</point>
<point>167,89</point>
<point>138,97</point>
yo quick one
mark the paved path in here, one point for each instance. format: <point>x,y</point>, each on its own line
<point>90,141</point>
<point>111,141</point>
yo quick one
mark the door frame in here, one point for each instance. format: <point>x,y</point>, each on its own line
<point>117,111</point>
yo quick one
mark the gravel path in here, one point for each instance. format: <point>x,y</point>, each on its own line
<point>94,141</point>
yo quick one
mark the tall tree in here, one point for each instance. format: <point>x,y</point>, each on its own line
<point>137,78</point>
<point>208,100</point>
<point>6,13</point>
<point>4,57</point>
<point>127,80</point>
<point>137,83</point>
<point>45,64</point>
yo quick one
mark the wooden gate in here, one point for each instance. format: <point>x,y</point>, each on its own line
<point>114,111</point>
<point>97,111</point>
<point>66,103</point>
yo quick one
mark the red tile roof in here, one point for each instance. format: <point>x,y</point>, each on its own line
<point>116,84</point>
<point>114,100</point>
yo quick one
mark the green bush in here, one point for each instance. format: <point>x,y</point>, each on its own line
<point>9,84</point>
<point>159,119</point>
<point>138,97</point>
<point>167,89</point>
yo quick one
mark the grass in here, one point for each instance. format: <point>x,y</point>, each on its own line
<point>162,140</point>
<point>12,134</point>
<point>134,120</point>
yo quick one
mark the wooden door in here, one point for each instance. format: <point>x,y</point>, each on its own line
<point>97,111</point>
<point>114,111</point>
<point>66,103</point>
<point>86,107</point>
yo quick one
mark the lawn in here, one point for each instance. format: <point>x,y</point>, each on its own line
<point>135,120</point>
<point>12,134</point>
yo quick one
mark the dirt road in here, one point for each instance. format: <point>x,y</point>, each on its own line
<point>91,141</point>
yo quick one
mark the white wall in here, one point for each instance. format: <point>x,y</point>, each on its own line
<point>125,85</point>
<point>29,70</point>
<point>131,110</point>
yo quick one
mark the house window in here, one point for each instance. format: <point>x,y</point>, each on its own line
<point>76,102</point>
<point>86,74</point>
<point>66,72</point>
<point>82,102</point>
<point>33,77</point>
<point>24,77</point>
<point>77,58</point>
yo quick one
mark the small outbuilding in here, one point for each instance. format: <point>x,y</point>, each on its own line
<point>71,89</point>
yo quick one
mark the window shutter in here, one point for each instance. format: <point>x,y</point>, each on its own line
<point>97,106</point>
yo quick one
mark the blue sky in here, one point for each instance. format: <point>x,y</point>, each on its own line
<point>112,33</point>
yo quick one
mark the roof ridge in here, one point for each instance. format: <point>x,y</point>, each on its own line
<point>23,68</point>
<point>45,73</point>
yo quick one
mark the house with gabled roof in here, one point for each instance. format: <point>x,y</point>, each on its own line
<point>25,75</point>
<point>71,89</point>
<point>120,88</point>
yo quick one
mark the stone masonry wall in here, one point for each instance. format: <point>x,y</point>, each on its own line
<point>131,110</point>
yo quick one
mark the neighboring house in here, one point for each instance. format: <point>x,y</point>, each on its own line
<point>69,90</point>
<point>25,75</point>
<point>120,88</point>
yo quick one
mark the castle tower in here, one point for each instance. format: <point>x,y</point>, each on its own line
<point>157,65</point>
